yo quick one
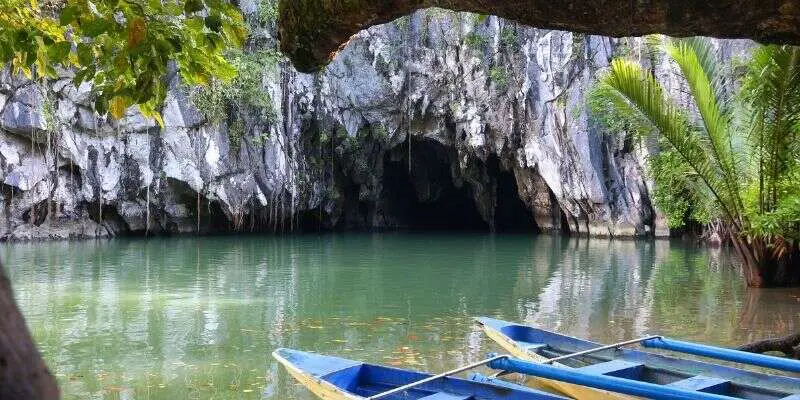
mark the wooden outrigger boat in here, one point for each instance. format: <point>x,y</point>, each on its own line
<point>537,347</point>
<point>336,378</point>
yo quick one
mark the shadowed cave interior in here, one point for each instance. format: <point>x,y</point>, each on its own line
<point>428,197</point>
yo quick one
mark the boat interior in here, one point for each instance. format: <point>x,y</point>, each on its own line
<point>650,367</point>
<point>368,380</point>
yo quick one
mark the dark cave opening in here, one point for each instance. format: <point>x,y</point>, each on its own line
<point>447,208</point>
<point>211,217</point>
<point>426,197</point>
<point>511,214</point>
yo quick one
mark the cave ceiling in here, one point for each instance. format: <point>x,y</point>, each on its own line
<point>312,31</point>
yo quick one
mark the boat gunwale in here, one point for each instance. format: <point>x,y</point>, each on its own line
<point>316,382</point>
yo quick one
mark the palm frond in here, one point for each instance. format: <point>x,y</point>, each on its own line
<point>694,57</point>
<point>629,87</point>
<point>771,91</point>
<point>706,57</point>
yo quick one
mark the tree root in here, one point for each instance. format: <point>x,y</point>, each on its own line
<point>788,345</point>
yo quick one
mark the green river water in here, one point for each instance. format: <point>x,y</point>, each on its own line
<point>198,317</point>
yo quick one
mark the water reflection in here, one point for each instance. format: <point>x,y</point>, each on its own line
<point>198,318</point>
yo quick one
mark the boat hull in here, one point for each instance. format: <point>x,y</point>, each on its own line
<point>575,391</point>
<point>318,386</point>
<point>340,379</point>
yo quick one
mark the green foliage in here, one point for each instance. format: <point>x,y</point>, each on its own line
<point>561,101</point>
<point>478,19</point>
<point>268,12</point>
<point>673,193</point>
<point>476,41</point>
<point>244,96</point>
<point>499,76</point>
<point>508,37</point>
<point>739,159</point>
<point>623,48</point>
<point>403,22</point>
<point>437,13</point>
<point>578,45</point>
<point>771,124</point>
<point>123,47</point>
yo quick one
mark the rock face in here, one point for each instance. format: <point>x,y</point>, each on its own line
<point>312,31</point>
<point>438,120</point>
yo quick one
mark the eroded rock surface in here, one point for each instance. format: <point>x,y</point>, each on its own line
<point>500,138</point>
<point>312,31</point>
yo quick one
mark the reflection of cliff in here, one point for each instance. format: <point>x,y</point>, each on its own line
<point>597,289</point>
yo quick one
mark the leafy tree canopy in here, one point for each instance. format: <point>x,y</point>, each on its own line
<point>124,47</point>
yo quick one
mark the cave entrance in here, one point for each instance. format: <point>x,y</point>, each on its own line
<point>426,197</point>
<point>511,213</point>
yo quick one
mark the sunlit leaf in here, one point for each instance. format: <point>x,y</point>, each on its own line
<point>137,30</point>
<point>118,106</point>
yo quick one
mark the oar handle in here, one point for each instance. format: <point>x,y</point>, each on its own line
<point>604,382</point>
<point>721,353</point>
<point>435,377</point>
<point>599,349</point>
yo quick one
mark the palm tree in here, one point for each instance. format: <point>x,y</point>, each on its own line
<point>735,155</point>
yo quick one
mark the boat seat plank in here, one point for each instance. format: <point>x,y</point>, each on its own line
<point>617,368</point>
<point>532,347</point>
<point>704,384</point>
<point>446,396</point>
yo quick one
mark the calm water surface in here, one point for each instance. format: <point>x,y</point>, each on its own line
<point>198,318</point>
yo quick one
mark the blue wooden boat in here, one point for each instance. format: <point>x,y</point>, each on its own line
<point>341,379</point>
<point>535,347</point>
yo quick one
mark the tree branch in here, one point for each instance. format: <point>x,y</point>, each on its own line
<point>788,345</point>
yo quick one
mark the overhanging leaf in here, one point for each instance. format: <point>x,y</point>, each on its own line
<point>118,106</point>
<point>137,31</point>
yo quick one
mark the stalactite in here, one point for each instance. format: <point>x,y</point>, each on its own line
<point>48,212</point>
<point>198,212</point>
<point>33,151</point>
<point>274,213</point>
<point>409,152</point>
<point>147,218</point>
<point>283,213</point>
<point>252,215</point>
<point>291,210</point>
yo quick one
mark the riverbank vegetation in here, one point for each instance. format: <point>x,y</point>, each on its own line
<point>729,158</point>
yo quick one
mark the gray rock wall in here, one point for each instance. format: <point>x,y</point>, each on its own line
<point>482,98</point>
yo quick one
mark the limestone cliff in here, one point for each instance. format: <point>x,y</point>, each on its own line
<point>437,120</point>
